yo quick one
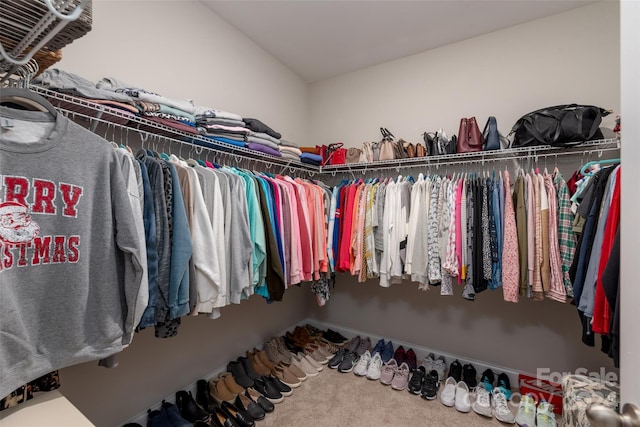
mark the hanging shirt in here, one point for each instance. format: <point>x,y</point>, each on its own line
<point>510,255</point>
<point>556,286</point>
<point>566,237</point>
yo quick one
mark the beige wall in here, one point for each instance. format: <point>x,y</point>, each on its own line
<point>569,57</point>
<point>183,50</point>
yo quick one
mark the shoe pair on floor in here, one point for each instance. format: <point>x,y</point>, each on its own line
<point>344,360</point>
<point>530,415</point>
<point>207,412</point>
<point>424,383</point>
<point>488,381</point>
<point>494,402</point>
<point>466,373</point>
<point>369,366</point>
<point>409,357</point>
<point>433,363</point>
<point>395,375</point>
<point>359,345</point>
<point>456,393</point>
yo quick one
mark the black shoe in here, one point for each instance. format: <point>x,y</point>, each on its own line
<point>248,368</point>
<point>291,346</point>
<point>203,397</point>
<point>259,398</point>
<point>188,408</point>
<point>487,379</point>
<point>504,384</point>
<point>158,419</point>
<point>455,370</point>
<point>268,390</point>
<point>174,415</point>
<point>284,389</point>
<point>430,385</point>
<point>250,407</point>
<point>239,374</point>
<point>223,419</point>
<point>417,379</point>
<point>336,360</point>
<point>240,416</point>
<point>348,362</point>
<point>469,375</point>
<point>334,337</point>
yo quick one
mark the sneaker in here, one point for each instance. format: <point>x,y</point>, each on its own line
<point>337,359</point>
<point>526,414</point>
<point>271,349</point>
<point>417,380</point>
<point>313,352</point>
<point>388,371</point>
<point>462,403</point>
<point>427,362</point>
<point>378,347</point>
<point>469,375</point>
<point>334,337</point>
<point>354,343</point>
<point>317,365</point>
<point>399,355</point>
<point>284,389</point>
<point>482,404</point>
<point>286,376</point>
<point>401,378</point>
<point>487,379</point>
<point>268,390</point>
<point>410,359</point>
<point>349,361</point>
<point>363,364</point>
<point>431,385</point>
<point>440,366</point>
<point>303,364</point>
<point>387,352</point>
<point>365,345</point>
<point>375,367</point>
<point>448,395</point>
<point>282,349</point>
<point>501,407</point>
<point>455,370</point>
<point>545,416</point>
<point>505,385</point>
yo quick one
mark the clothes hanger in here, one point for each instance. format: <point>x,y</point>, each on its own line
<point>27,99</point>
<point>584,172</point>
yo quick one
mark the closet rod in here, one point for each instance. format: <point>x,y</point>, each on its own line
<point>480,157</point>
<point>152,140</point>
<point>126,119</point>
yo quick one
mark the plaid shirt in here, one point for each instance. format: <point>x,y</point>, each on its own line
<point>566,236</point>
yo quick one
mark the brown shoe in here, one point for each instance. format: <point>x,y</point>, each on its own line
<point>220,392</point>
<point>285,355</point>
<point>272,349</point>
<point>299,373</point>
<point>285,375</point>
<point>257,364</point>
<point>264,358</point>
<point>231,383</point>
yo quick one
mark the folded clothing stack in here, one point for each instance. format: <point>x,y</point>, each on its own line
<point>310,158</point>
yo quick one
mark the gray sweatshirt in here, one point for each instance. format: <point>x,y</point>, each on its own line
<point>70,257</point>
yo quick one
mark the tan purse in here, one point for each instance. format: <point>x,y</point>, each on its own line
<point>420,150</point>
<point>387,150</point>
<point>353,155</point>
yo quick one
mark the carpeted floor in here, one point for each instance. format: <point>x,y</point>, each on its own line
<point>333,399</point>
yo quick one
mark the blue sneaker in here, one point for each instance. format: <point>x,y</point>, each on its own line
<point>378,347</point>
<point>387,352</point>
<point>487,379</point>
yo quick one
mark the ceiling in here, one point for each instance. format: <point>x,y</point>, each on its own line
<point>320,39</point>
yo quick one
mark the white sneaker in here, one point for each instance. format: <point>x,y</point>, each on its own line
<point>375,367</point>
<point>427,362</point>
<point>363,364</point>
<point>545,416</point>
<point>482,404</point>
<point>501,407</point>
<point>448,394</point>
<point>526,411</point>
<point>462,403</point>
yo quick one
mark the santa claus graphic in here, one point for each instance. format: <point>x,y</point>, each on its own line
<point>16,225</point>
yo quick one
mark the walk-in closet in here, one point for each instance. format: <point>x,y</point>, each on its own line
<point>273,213</point>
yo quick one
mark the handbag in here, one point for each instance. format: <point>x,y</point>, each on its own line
<point>559,126</point>
<point>336,155</point>
<point>469,136</point>
<point>353,155</point>
<point>410,149</point>
<point>400,151</point>
<point>367,152</point>
<point>420,150</point>
<point>490,135</point>
<point>387,146</point>
<point>444,144</point>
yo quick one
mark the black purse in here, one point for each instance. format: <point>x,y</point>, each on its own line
<point>559,126</point>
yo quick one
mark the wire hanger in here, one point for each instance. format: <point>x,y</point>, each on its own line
<point>584,172</point>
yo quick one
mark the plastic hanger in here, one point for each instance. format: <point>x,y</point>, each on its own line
<point>27,99</point>
<point>584,172</point>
